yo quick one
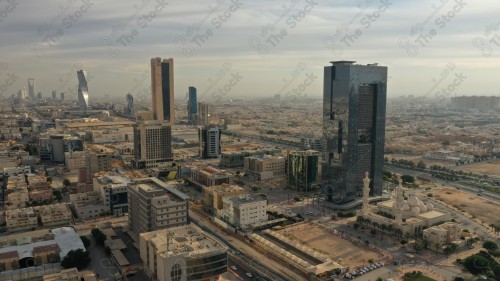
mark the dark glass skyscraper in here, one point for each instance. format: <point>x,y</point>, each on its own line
<point>192,106</point>
<point>354,105</point>
<point>162,86</point>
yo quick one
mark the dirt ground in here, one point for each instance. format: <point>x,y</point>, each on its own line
<point>485,210</point>
<point>340,250</point>
<point>490,168</point>
<point>417,159</point>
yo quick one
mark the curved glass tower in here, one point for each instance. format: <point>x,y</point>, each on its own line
<point>83,90</point>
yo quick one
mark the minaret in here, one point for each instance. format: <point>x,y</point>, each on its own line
<point>366,194</point>
<point>400,200</point>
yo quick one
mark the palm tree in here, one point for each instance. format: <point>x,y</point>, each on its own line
<point>390,228</point>
<point>384,228</point>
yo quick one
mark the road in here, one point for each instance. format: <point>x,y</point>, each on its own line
<point>262,264</point>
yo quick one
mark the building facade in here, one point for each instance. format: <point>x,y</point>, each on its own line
<point>162,86</point>
<point>192,106</point>
<point>83,90</point>
<point>213,196</point>
<point>209,138</point>
<point>265,166</point>
<point>182,253</point>
<point>202,113</point>
<point>242,211</point>
<point>153,204</point>
<point>302,167</point>
<point>152,144</point>
<point>354,107</point>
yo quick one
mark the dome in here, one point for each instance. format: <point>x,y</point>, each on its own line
<point>429,206</point>
<point>413,201</point>
<point>422,207</point>
<point>405,207</point>
<point>415,210</point>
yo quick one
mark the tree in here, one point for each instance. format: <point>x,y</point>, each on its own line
<point>66,182</point>
<point>407,179</point>
<point>421,165</point>
<point>107,250</point>
<point>57,194</point>
<point>49,179</point>
<point>76,258</point>
<point>476,264</point>
<point>99,236</point>
<point>490,245</point>
<point>86,241</point>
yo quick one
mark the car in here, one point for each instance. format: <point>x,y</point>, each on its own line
<point>233,267</point>
<point>348,276</point>
<point>249,274</point>
<point>471,246</point>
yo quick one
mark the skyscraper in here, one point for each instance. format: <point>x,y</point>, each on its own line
<point>54,95</point>
<point>129,108</point>
<point>31,89</point>
<point>162,86</point>
<point>202,114</point>
<point>83,90</point>
<point>302,170</point>
<point>354,105</point>
<point>209,141</point>
<point>192,106</point>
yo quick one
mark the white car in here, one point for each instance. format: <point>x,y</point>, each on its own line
<point>233,267</point>
<point>249,274</point>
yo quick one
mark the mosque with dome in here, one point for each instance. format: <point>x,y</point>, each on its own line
<point>402,216</point>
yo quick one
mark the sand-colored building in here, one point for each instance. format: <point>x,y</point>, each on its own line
<point>21,219</point>
<point>265,166</point>
<point>213,195</point>
<point>54,215</point>
<point>442,235</point>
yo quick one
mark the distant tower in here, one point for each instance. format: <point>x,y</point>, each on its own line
<point>83,90</point>
<point>354,104</point>
<point>54,95</point>
<point>39,96</point>
<point>129,109</point>
<point>31,88</point>
<point>162,87</point>
<point>62,97</point>
<point>24,95</point>
<point>192,106</point>
<point>202,114</point>
<point>209,138</point>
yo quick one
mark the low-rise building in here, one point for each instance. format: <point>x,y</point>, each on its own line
<point>54,215</point>
<point>113,190</point>
<point>213,196</point>
<point>265,166</point>
<point>441,235</point>
<point>182,253</point>
<point>208,176</point>
<point>88,204</point>
<point>242,211</point>
<point>21,219</point>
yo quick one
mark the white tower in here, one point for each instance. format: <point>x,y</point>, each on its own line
<point>366,193</point>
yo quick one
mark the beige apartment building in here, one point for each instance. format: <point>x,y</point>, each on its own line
<point>208,176</point>
<point>54,215</point>
<point>88,204</point>
<point>182,253</point>
<point>21,219</point>
<point>265,166</point>
<point>75,160</point>
<point>154,205</point>
<point>441,235</point>
<point>213,195</point>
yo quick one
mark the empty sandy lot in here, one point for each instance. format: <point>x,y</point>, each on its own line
<point>490,168</point>
<point>337,248</point>
<point>484,210</point>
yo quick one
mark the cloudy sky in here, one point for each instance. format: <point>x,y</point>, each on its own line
<point>235,49</point>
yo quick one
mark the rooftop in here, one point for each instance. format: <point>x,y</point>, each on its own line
<point>188,239</point>
<point>153,184</point>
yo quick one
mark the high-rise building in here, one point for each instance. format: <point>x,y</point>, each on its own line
<point>162,86</point>
<point>354,104</point>
<point>302,167</point>
<point>202,114</point>
<point>83,90</point>
<point>129,108</point>
<point>53,147</point>
<point>152,144</point>
<point>153,205</point>
<point>31,88</point>
<point>192,106</point>
<point>54,95</point>
<point>209,138</point>
<point>62,97</point>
